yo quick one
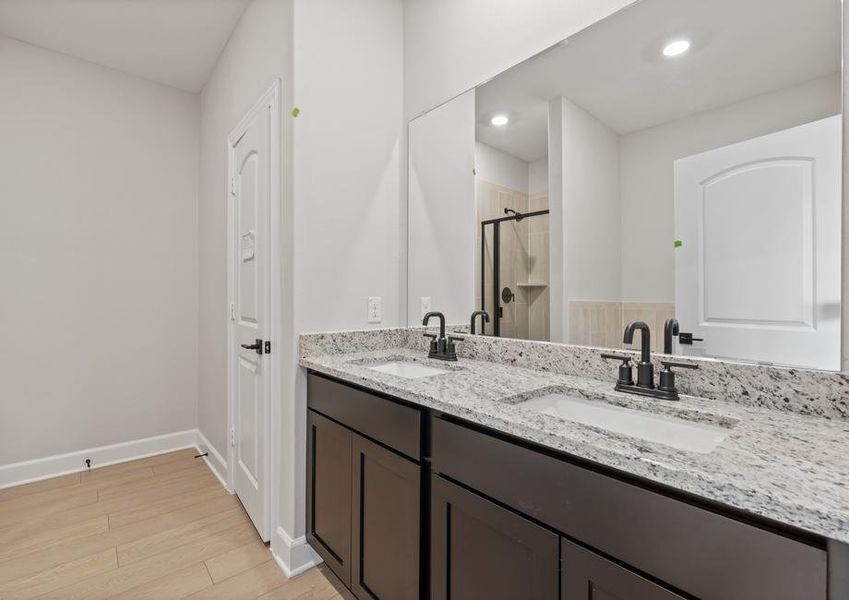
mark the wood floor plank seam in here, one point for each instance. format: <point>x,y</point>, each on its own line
<point>159,527</point>
<point>57,553</point>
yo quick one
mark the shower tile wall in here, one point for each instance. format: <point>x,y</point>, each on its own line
<point>598,323</point>
<point>491,200</point>
<point>524,260</point>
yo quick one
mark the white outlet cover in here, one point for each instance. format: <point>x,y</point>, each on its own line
<point>375,309</point>
<point>424,306</point>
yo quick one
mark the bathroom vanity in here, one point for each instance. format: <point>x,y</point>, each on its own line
<point>676,167</point>
<point>450,481</point>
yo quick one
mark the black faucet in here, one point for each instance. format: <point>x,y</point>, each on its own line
<point>670,330</point>
<point>645,370</point>
<point>440,347</point>
<point>666,390</point>
<point>477,313</point>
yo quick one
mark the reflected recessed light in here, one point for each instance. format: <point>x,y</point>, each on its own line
<point>500,120</point>
<point>675,48</point>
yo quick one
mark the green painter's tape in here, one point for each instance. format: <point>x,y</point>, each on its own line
<point>678,243</point>
<point>296,111</point>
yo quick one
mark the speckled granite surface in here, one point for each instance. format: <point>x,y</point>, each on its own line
<point>774,463</point>
<point>820,393</point>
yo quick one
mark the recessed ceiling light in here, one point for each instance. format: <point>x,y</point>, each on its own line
<point>500,120</point>
<point>675,48</point>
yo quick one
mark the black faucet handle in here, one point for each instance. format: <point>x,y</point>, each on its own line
<point>667,377</point>
<point>430,335</point>
<point>626,372</point>
<point>451,347</point>
<point>667,364</point>
<point>611,356</point>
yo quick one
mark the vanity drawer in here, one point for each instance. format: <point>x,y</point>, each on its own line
<point>382,420</point>
<point>696,550</point>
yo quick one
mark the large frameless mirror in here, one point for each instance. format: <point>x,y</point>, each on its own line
<point>677,160</point>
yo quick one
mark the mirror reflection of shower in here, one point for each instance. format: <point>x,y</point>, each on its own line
<point>512,262</point>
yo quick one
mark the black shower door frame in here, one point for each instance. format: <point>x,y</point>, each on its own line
<point>496,263</point>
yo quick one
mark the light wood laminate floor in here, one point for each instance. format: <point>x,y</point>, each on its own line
<point>158,528</point>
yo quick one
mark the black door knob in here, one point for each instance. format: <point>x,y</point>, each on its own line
<point>257,345</point>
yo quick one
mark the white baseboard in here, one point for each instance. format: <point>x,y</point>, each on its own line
<point>101,456</point>
<point>217,464</point>
<point>294,556</point>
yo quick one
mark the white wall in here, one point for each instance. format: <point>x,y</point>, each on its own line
<point>538,176</point>
<point>496,166</point>
<point>348,69</point>
<point>442,210</point>
<point>451,46</point>
<point>98,256</point>
<point>585,216</point>
<point>341,213</point>
<point>347,172</point>
<point>259,50</point>
<point>647,173</point>
<point>591,212</point>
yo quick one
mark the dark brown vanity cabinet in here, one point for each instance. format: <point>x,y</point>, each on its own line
<point>329,498</point>
<point>702,552</point>
<point>400,498</point>
<point>363,507</point>
<point>385,523</point>
<point>585,575</point>
<point>481,551</point>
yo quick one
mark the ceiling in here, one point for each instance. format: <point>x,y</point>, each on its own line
<point>174,42</point>
<point>615,69</point>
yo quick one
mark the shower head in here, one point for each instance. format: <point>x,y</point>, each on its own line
<point>519,216</point>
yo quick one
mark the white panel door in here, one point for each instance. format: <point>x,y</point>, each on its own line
<point>250,191</point>
<point>757,273</point>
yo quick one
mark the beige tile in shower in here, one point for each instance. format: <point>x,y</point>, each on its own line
<point>538,314</point>
<point>521,315</point>
<point>537,201</point>
<point>538,252</point>
<point>594,323</point>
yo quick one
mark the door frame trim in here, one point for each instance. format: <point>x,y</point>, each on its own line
<point>269,100</point>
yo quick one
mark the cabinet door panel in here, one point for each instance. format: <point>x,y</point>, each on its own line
<point>329,493</point>
<point>587,576</point>
<point>710,555</point>
<point>385,530</point>
<point>482,551</point>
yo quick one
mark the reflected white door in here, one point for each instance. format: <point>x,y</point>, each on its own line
<point>757,271</point>
<point>249,219</point>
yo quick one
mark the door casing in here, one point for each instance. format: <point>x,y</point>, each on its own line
<point>270,100</point>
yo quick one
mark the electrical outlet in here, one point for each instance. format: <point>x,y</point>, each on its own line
<point>424,306</point>
<point>375,309</point>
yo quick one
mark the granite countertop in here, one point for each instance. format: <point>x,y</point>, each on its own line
<point>790,468</point>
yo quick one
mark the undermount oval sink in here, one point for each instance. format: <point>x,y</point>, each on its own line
<point>403,366</point>
<point>409,370</point>
<point>682,434</point>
